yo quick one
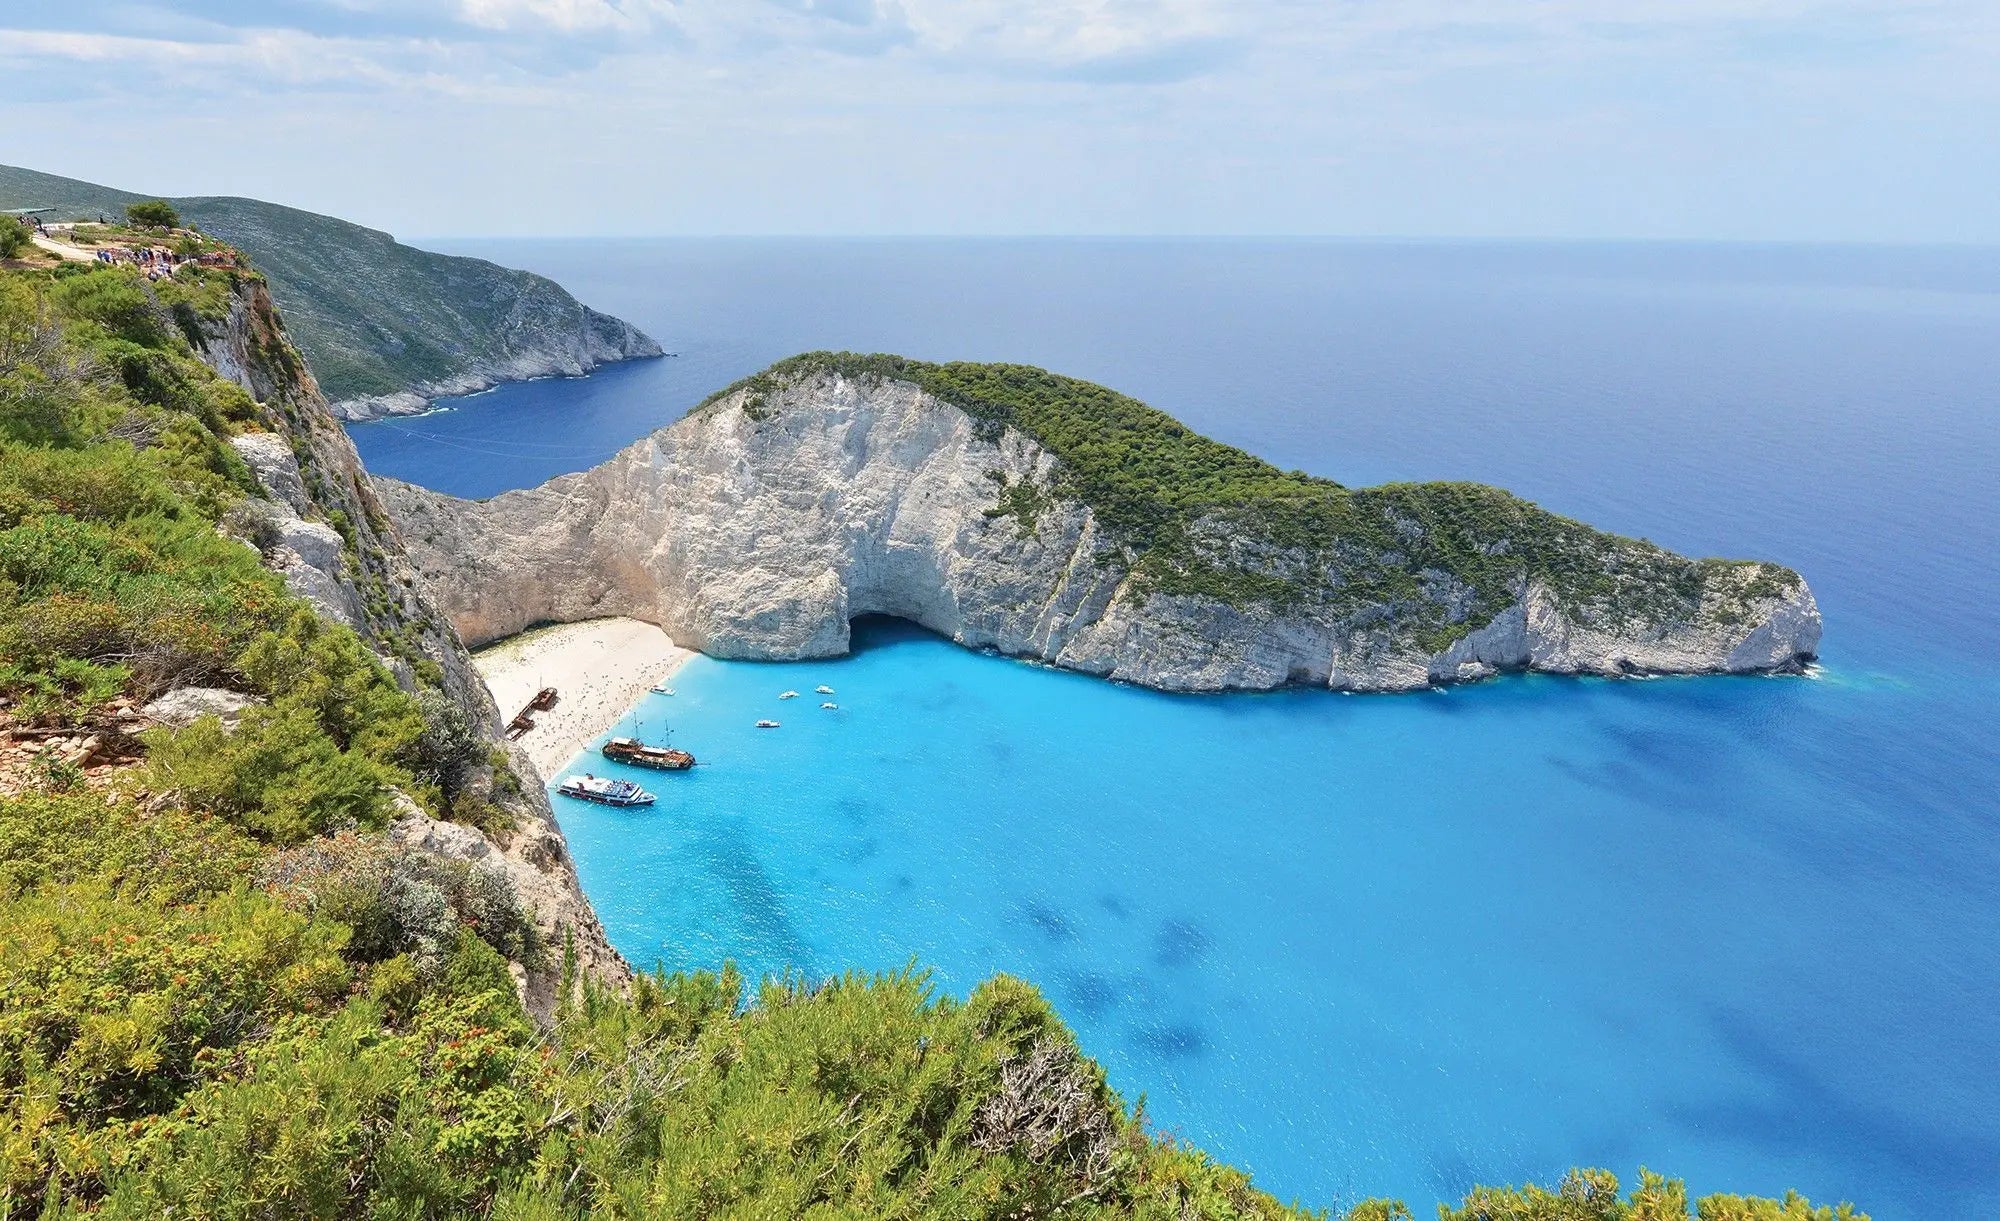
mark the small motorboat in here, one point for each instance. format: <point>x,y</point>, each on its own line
<point>767,724</point>
<point>660,690</point>
<point>637,753</point>
<point>788,695</point>
<point>604,790</point>
<point>823,689</point>
<point>829,704</point>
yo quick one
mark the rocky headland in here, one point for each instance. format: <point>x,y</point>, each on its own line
<point>1042,517</point>
<point>386,327</point>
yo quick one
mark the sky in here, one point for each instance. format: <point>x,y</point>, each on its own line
<point>1839,120</point>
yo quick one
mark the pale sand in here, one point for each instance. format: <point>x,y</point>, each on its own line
<point>600,668</point>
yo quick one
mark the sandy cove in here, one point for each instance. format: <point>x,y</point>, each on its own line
<point>600,668</point>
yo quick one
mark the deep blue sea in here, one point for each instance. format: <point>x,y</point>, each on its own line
<point>1745,931</point>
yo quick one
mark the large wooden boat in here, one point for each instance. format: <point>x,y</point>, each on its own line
<point>638,754</point>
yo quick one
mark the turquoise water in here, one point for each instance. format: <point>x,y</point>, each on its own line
<point>1359,944</point>
<point>1745,931</point>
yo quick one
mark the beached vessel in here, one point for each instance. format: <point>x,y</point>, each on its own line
<point>604,790</point>
<point>637,753</point>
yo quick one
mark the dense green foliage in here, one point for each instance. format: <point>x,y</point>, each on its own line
<point>371,315</point>
<point>114,580</point>
<point>1194,516</point>
<point>15,236</point>
<point>153,214</point>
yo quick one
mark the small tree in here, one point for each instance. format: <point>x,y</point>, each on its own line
<point>14,236</point>
<point>153,214</point>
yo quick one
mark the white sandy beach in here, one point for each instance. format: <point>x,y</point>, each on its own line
<point>599,668</point>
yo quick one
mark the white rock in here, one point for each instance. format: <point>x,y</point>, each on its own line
<point>183,706</point>
<point>760,533</point>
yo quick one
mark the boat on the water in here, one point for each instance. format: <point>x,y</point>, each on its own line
<point>788,695</point>
<point>823,689</point>
<point>830,704</point>
<point>604,790</point>
<point>767,724</point>
<point>658,689</point>
<point>637,753</point>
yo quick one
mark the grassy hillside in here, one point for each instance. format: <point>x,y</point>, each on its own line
<point>371,315</point>
<point>1195,516</point>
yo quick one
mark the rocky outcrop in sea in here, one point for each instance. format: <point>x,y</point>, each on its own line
<point>769,518</point>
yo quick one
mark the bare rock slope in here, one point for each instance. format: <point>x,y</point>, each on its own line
<point>326,533</point>
<point>1011,509</point>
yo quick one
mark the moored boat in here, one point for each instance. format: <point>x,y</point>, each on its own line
<point>823,689</point>
<point>637,753</point>
<point>767,724</point>
<point>604,790</point>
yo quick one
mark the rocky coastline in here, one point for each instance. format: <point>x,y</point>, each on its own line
<point>764,522</point>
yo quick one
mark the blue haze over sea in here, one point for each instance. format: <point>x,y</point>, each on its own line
<point>1745,931</point>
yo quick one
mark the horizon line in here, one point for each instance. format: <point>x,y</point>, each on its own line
<point>1354,238</point>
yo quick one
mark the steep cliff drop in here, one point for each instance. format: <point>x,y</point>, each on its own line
<point>336,548</point>
<point>1008,508</point>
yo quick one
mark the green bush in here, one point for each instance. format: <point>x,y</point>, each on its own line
<point>279,775</point>
<point>16,235</point>
<point>118,1003</point>
<point>402,902</point>
<point>153,214</point>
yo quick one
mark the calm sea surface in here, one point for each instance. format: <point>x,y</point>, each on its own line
<point>1746,931</point>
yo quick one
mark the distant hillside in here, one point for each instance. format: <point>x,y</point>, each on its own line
<point>384,326</point>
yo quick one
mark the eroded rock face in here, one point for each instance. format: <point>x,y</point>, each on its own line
<point>760,526</point>
<point>311,477</point>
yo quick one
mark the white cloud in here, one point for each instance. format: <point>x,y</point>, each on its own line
<point>1468,116</point>
<point>564,16</point>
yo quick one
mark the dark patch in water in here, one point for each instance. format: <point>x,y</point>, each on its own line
<point>1174,1040</point>
<point>1796,1107</point>
<point>1089,993</point>
<point>905,882</point>
<point>1052,923</point>
<point>1452,1174</point>
<point>769,934</point>
<point>1621,780</point>
<point>854,809</point>
<point>1178,944</point>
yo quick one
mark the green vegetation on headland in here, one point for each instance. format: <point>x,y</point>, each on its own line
<point>225,994</point>
<point>1193,516</point>
<point>371,315</point>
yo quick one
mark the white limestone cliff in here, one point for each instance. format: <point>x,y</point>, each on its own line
<point>759,529</point>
